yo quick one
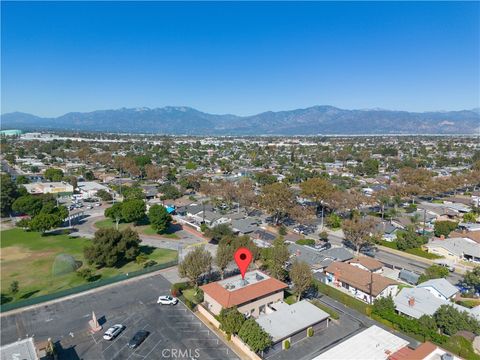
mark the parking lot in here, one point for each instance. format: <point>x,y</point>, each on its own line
<point>175,333</point>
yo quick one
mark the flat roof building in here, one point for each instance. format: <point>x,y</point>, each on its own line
<point>19,350</point>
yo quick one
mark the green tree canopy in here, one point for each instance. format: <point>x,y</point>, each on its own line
<point>110,247</point>
<point>53,174</point>
<point>8,194</point>
<point>433,272</point>
<point>231,320</point>
<point>301,276</point>
<point>254,336</point>
<point>159,218</point>
<point>444,227</point>
<point>133,210</point>
<point>196,262</point>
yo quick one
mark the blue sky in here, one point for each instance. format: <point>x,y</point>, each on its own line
<point>240,58</point>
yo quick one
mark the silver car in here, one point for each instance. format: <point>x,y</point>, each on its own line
<point>113,332</point>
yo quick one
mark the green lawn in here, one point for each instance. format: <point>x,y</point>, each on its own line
<point>290,298</point>
<point>27,257</point>
<point>109,223</point>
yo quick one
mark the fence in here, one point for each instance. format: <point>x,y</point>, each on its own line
<point>85,287</point>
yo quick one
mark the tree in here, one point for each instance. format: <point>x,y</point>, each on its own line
<point>469,217</point>
<point>133,193</point>
<point>278,256</point>
<point>254,336</point>
<point>14,287</point>
<point>317,189</point>
<point>409,239</point>
<point>169,192</point>
<point>334,221</point>
<point>433,272</point>
<point>223,257</point>
<point>450,320</point>
<point>264,178</point>
<point>231,320</point>
<point>104,195</point>
<point>28,204</point>
<point>110,247</point>
<point>53,174</point>
<point>370,167</point>
<point>22,179</point>
<point>428,323</point>
<point>444,227</point>
<point>358,230</point>
<point>159,218</point>
<point>44,222</point>
<point>277,199</point>
<point>471,279</point>
<point>195,263</point>
<point>301,276</point>
<point>133,210</point>
<point>219,232</point>
<point>383,306</point>
<point>8,194</point>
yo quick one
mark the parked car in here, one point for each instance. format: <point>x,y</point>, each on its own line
<point>167,300</point>
<point>113,332</point>
<point>368,250</point>
<point>325,246</point>
<point>138,338</point>
<point>450,268</point>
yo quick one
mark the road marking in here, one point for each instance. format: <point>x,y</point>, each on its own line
<point>158,342</point>
<point>95,341</point>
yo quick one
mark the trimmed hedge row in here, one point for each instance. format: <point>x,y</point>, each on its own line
<point>344,298</point>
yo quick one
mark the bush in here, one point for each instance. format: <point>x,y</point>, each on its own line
<point>64,264</point>
<point>178,288</point>
<point>140,259</point>
<point>286,344</point>
<point>334,221</point>
<point>444,227</point>
<point>423,253</point>
<point>282,230</point>
<point>189,304</point>
<point>323,235</point>
<point>309,242</point>
<point>14,287</point>
<point>149,263</point>
<point>333,314</point>
<point>86,274</point>
<point>310,332</point>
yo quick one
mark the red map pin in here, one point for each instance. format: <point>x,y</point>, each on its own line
<point>243,257</point>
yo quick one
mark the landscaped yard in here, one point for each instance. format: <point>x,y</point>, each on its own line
<point>28,257</point>
<point>144,229</point>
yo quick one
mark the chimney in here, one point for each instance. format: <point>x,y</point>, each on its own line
<point>411,301</point>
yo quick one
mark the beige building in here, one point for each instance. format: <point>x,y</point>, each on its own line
<point>60,187</point>
<point>251,295</point>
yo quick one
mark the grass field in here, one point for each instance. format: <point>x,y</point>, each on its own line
<point>27,257</point>
<point>144,229</point>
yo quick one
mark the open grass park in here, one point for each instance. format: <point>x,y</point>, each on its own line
<point>145,229</point>
<point>29,257</point>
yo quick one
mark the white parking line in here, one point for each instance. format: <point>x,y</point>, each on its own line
<point>158,342</point>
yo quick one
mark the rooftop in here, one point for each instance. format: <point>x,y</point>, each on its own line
<point>359,278</point>
<point>235,291</point>
<point>373,343</point>
<point>22,349</point>
<point>290,319</point>
<point>441,285</point>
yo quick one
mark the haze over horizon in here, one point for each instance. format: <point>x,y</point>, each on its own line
<point>239,58</point>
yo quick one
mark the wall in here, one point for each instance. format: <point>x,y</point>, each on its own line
<point>263,301</point>
<point>208,316</point>
<point>238,342</point>
<point>212,305</point>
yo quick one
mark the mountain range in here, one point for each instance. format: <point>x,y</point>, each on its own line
<point>326,120</point>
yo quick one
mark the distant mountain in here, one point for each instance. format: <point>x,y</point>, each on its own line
<point>326,120</point>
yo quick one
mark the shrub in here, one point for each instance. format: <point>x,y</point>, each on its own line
<point>149,263</point>
<point>282,230</point>
<point>177,288</point>
<point>323,235</point>
<point>14,287</point>
<point>310,332</point>
<point>140,259</point>
<point>64,264</point>
<point>309,242</point>
<point>286,344</point>
<point>85,273</point>
<point>334,221</point>
<point>444,227</point>
<point>342,297</point>
<point>189,304</point>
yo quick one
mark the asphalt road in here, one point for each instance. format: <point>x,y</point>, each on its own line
<point>174,331</point>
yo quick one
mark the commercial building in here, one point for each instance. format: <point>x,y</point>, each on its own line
<point>373,343</point>
<point>251,296</point>
<point>19,350</point>
<point>59,188</point>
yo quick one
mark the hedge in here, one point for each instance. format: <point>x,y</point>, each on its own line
<point>309,242</point>
<point>422,253</point>
<point>178,288</point>
<point>333,314</point>
<point>344,298</point>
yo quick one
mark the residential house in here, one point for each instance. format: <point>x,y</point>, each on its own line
<point>472,235</point>
<point>318,260</point>
<point>362,284</point>
<point>263,238</point>
<point>440,288</point>
<point>367,263</point>
<point>89,189</point>
<point>244,226</point>
<point>425,351</point>
<point>408,276</point>
<point>417,301</point>
<point>291,322</point>
<point>251,296</point>
<point>455,249</point>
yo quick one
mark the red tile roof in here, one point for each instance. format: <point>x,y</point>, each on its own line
<point>229,298</point>
<point>369,263</point>
<point>419,353</point>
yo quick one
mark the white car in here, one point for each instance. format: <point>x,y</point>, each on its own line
<point>113,332</point>
<point>167,300</point>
